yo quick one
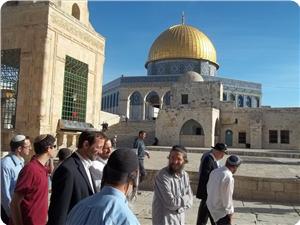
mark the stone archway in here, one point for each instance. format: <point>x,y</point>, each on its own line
<point>192,134</point>
<point>152,105</point>
<point>135,106</point>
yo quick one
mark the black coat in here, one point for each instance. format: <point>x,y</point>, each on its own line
<point>208,164</point>
<point>70,184</point>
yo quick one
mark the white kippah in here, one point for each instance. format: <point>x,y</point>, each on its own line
<point>18,138</point>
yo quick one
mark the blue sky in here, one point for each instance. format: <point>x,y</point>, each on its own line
<point>255,41</point>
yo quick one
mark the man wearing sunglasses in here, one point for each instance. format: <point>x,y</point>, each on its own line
<point>29,204</point>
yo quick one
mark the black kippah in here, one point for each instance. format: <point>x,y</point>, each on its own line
<point>123,161</point>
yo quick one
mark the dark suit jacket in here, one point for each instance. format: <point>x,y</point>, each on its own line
<point>208,164</point>
<point>70,184</point>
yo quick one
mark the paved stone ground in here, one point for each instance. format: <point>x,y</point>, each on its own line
<point>246,213</point>
<point>253,166</point>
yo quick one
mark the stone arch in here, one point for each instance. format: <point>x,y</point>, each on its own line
<point>76,11</point>
<point>191,134</point>
<point>167,98</point>
<point>135,106</point>
<point>152,105</point>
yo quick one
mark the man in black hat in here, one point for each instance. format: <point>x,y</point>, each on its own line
<point>220,190</point>
<point>209,162</point>
<point>110,206</point>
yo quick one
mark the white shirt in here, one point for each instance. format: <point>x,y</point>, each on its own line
<point>87,164</point>
<point>97,170</point>
<point>219,193</point>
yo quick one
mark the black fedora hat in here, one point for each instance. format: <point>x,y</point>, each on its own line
<point>220,147</point>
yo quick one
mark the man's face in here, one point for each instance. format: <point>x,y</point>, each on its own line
<point>25,149</point>
<point>234,169</point>
<point>143,135</point>
<point>219,155</point>
<point>176,161</point>
<point>106,151</point>
<point>95,149</point>
<point>53,151</point>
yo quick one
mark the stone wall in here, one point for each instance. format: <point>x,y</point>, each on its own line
<point>46,34</point>
<point>257,123</point>
<point>248,188</point>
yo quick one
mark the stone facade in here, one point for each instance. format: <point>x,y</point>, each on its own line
<point>47,32</point>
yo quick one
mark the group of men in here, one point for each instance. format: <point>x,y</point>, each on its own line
<point>93,185</point>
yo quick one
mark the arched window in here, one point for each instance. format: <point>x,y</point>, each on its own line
<point>232,97</point>
<point>167,98</point>
<point>136,98</point>
<point>153,99</point>
<point>117,103</point>
<point>111,101</point>
<point>114,100</point>
<point>248,101</point>
<point>191,127</point>
<point>107,102</point>
<point>224,96</point>
<point>257,101</point>
<point>76,11</point>
<point>240,101</point>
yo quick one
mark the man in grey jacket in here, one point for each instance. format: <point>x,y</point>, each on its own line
<point>140,147</point>
<point>172,190</point>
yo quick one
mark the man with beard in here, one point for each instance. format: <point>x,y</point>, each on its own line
<point>98,165</point>
<point>72,181</point>
<point>110,205</point>
<point>172,190</point>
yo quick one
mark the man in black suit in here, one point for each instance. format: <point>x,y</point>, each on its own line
<point>209,162</point>
<point>72,180</point>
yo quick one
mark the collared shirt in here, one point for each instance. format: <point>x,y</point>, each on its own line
<point>172,197</point>
<point>108,207</point>
<point>11,166</point>
<point>212,155</point>
<point>33,185</point>
<point>140,147</point>
<point>219,193</point>
<point>87,164</point>
<point>97,171</point>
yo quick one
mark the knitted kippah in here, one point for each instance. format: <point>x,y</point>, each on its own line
<point>234,160</point>
<point>18,138</point>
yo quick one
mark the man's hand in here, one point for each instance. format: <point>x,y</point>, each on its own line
<point>230,218</point>
<point>147,154</point>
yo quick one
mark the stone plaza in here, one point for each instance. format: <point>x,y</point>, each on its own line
<point>265,171</point>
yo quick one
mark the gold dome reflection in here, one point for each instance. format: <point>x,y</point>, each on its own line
<point>182,41</point>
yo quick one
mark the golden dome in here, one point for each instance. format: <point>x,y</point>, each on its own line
<point>182,41</point>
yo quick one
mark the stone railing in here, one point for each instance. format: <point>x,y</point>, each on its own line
<point>248,188</point>
<point>67,139</point>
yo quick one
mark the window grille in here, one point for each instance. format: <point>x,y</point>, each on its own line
<point>75,90</point>
<point>10,70</point>
<point>273,136</point>
<point>285,136</point>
